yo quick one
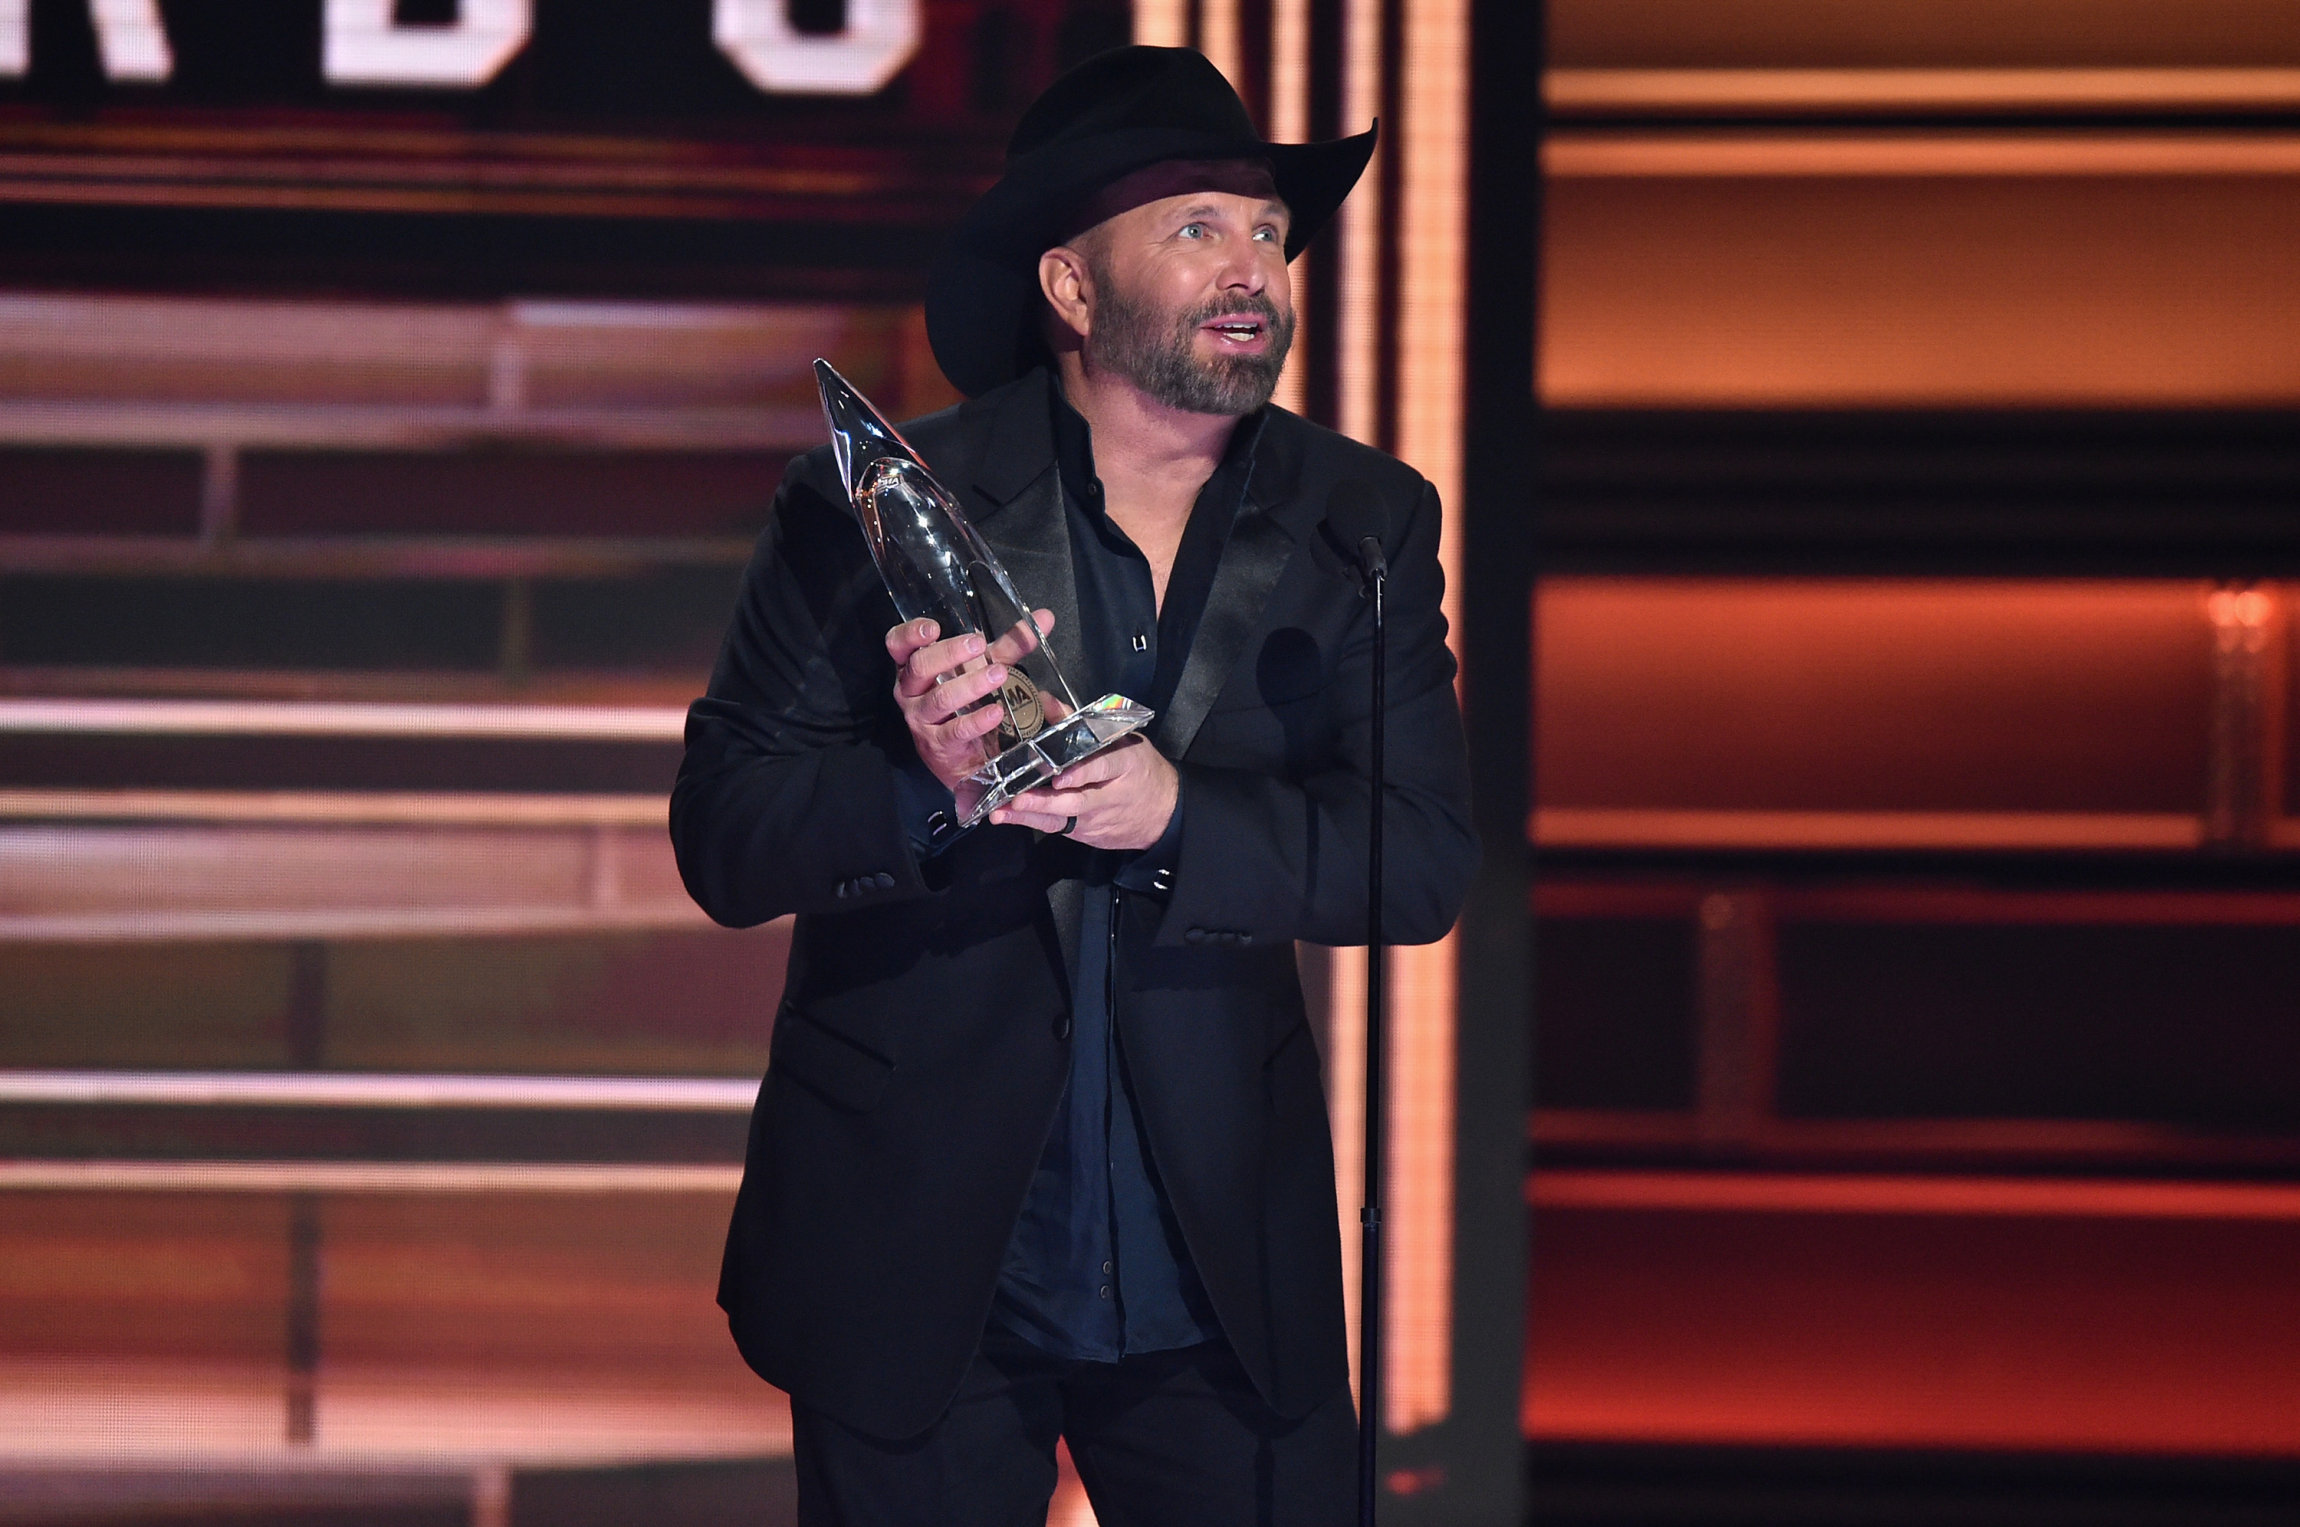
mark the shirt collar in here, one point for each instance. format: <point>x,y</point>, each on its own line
<point>1074,448</point>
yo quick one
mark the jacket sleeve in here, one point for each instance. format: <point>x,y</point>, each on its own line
<point>786,799</point>
<point>1278,859</point>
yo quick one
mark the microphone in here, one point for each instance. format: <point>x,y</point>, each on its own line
<point>1355,516</point>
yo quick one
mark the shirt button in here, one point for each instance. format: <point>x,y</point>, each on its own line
<point>883,880</point>
<point>1106,1267</point>
<point>1104,1291</point>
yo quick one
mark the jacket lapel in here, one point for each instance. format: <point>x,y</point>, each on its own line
<point>1255,557</point>
<point>1020,513</point>
<point>1032,539</point>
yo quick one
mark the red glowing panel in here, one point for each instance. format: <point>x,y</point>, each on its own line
<point>1980,707</point>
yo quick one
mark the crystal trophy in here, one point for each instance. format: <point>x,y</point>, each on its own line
<point>938,568</point>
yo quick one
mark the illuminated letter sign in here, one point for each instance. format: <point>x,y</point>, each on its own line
<point>363,47</point>
<point>361,44</point>
<point>128,35</point>
<point>879,39</point>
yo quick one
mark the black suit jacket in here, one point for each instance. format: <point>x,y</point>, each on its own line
<point>921,1047</point>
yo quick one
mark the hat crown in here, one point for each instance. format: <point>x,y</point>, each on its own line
<point>1130,89</point>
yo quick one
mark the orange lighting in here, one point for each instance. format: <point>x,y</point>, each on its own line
<point>1711,269</point>
<point>1218,39</point>
<point>1783,1309</point>
<point>1431,134</point>
<point>1162,23</point>
<point>1769,91</point>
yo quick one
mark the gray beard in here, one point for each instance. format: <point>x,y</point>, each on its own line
<point>1134,341</point>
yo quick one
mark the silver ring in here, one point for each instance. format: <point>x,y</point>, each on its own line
<point>1070,827</point>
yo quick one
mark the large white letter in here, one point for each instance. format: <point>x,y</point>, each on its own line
<point>362,47</point>
<point>879,39</point>
<point>128,34</point>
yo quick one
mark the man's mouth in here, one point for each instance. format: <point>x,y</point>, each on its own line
<point>1236,331</point>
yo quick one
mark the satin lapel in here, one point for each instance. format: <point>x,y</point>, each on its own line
<point>1032,538</point>
<point>1251,564</point>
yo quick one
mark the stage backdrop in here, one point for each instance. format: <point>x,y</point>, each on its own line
<point>389,393</point>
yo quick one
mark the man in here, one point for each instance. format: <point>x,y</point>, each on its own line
<point>1042,1150</point>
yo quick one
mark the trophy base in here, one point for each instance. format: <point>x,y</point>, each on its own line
<point>1072,740</point>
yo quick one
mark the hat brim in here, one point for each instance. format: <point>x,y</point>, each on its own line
<point>982,296</point>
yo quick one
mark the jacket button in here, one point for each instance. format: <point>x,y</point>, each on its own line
<point>1163,880</point>
<point>883,880</point>
<point>1194,936</point>
<point>1062,1027</point>
<point>844,887</point>
<point>1245,938</point>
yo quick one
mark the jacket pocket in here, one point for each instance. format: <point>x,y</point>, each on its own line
<point>827,1063</point>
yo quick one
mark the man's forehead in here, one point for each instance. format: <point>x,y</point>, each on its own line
<point>1209,204</point>
<point>1172,180</point>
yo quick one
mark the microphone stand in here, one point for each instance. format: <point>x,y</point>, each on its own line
<point>1377,992</point>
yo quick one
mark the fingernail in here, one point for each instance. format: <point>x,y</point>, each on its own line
<point>973,645</point>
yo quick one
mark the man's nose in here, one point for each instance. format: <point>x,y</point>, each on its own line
<point>1244,269</point>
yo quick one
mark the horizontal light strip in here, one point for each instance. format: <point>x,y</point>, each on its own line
<point>1768,155</point>
<point>404,427</point>
<point>1901,90</point>
<point>343,718</point>
<point>381,808</point>
<point>2059,1139</point>
<point>1936,905</point>
<point>370,556</point>
<point>1636,827</point>
<point>139,927</point>
<point>1805,1193</point>
<point>329,1089</point>
<point>364,1177</point>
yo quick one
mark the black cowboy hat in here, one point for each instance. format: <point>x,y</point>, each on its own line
<point>1116,113</point>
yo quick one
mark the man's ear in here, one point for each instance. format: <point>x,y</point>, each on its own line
<point>1063,280</point>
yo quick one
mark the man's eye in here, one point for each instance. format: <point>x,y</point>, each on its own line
<point>1192,231</point>
<point>1266,234</point>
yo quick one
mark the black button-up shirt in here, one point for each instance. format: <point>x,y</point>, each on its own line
<point>1097,1267</point>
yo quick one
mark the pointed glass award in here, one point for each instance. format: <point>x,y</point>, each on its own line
<point>938,568</point>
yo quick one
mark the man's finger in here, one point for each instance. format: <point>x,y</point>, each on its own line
<point>1059,804</point>
<point>940,702</point>
<point>930,663</point>
<point>1103,767</point>
<point>907,638</point>
<point>1012,815</point>
<point>1018,641</point>
<point>968,726</point>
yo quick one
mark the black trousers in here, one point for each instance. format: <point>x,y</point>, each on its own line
<point>1159,1439</point>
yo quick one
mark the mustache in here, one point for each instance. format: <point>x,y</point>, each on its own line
<point>1258,304</point>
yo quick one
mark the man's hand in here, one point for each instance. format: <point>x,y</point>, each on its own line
<point>936,683</point>
<point>1123,797</point>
